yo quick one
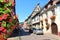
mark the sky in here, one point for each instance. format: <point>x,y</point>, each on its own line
<point>25,7</point>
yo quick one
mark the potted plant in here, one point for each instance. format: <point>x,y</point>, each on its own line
<point>53,17</point>
<point>46,19</point>
<point>47,26</point>
<point>41,21</point>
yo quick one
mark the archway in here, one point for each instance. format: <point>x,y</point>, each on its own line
<point>54,28</point>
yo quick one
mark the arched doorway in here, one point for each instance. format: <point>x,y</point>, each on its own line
<point>54,28</point>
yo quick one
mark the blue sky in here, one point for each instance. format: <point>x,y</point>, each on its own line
<point>25,7</point>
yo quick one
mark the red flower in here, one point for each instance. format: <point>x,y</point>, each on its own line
<point>9,33</point>
<point>14,26</point>
<point>53,17</point>
<point>4,31</point>
<point>1,18</point>
<point>1,28</point>
<point>2,39</point>
<point>11,27</point>
<point>12,2</point>
<point>10,20</point>
<point>5,1</point>
<point>4,16</point>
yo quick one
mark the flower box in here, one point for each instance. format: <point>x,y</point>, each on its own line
<point>53,17</point>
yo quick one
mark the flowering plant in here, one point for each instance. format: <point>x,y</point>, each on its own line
<point>53,17</point>
<point>46,19</point>
<point>41,20</point>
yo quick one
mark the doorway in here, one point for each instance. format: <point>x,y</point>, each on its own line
<point>54,28</point>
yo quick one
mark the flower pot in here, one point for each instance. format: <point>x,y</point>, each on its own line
<point>47,26</point>
<point>46,19</point>
<point>1,28</point>
<point>53,17</point>
<point>41,21</point>
<point>5,1</point>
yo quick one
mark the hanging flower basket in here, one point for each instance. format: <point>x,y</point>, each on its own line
<point>42,27</point>
<point>46,19</point>
<point>53,17</point>
<point>41,21</point>
<point>47,26</point>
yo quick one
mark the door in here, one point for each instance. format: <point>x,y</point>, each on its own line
<point>54,28</point>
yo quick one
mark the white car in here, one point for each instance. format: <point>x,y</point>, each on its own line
<point>39,31</point>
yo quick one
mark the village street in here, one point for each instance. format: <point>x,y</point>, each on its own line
<point>25,35</point>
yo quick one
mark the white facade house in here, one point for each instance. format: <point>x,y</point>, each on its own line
<point>50,17</point>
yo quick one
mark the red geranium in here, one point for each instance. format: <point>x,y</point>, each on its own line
<point>4,16</point>
<point>9,33</point>
<point>11,27</point>
<point>1,28</point>
<point>53,17</point>
<point>12,2</point>
<point>4,31</point>
<point>10,20</point>
<point>2,39</point>
<point>1,18</point>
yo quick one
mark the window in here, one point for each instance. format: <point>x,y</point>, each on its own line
<point>53,11</point>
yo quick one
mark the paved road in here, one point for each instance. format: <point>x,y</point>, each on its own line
<point>40,37</point>
<point>25,35</point>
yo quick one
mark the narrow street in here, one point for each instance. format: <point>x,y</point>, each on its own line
<point>25,35</point>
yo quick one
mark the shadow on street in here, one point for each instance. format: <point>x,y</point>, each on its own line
<point>23,33</point>
<point>19,32</point>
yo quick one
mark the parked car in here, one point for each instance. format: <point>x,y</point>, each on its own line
<point>34,30</point>
<point>30,30</point>
<point>39,31</point>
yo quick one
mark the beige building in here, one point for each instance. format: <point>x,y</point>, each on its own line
<point>49,17</point>
<point>46,18</point>
<point>33,19</point>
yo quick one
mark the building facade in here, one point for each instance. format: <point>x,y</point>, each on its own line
<point>49,17</point>
<point>33,19</point>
